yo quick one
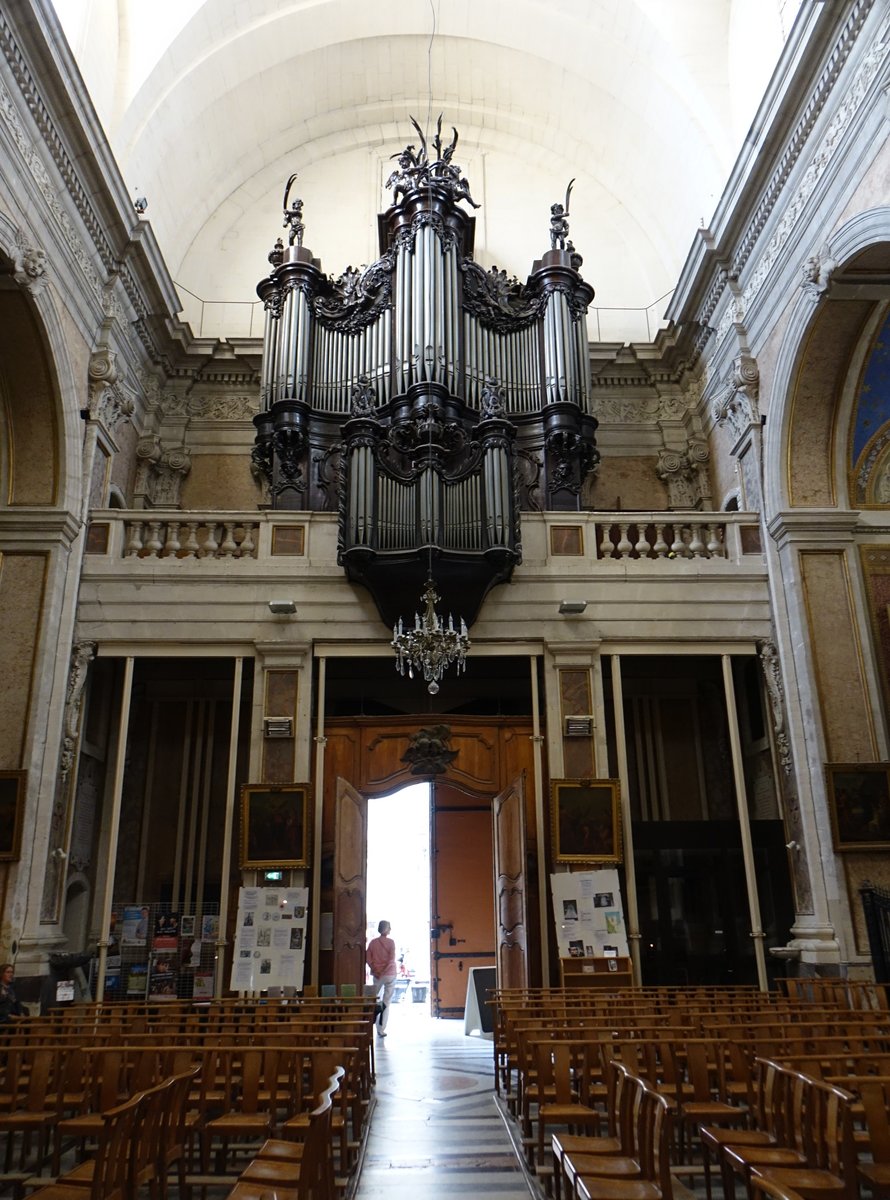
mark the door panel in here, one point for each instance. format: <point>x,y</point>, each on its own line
<point>350,884</point>
<point>511,886</point>
<point>463,895</point>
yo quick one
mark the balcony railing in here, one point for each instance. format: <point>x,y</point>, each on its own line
<point>652,539</point>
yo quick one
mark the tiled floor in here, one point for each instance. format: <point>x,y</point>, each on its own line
<point>436,1131</point>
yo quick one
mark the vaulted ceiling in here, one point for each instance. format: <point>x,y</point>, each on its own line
<point>210,104</point>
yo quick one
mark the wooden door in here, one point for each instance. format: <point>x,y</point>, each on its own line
<point>511,885</point>
<point>350,884</point>
<point>462,903</point>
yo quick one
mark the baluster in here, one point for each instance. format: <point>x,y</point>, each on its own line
<point>678,546</point>
<point>715,542</point>
<point>171,546</point>
<point>696,545</point>
<point>229,545</point>
<point>153,543</point>
<point>625,545</point>
<point>190,549</point>
<point>642,547</point>
<point>607,546</point>
<point>211,545</point>
<point>248,545</point>
<point>134,538</point>
<point>661,546</point>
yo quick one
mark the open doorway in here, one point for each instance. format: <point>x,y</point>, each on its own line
<point>398,886</point>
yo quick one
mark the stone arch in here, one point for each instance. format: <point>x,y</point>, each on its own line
<point>812,394</point>
<point>39,394</point>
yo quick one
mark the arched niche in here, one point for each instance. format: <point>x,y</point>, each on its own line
<point>818,366</point>
<point>29,458</point>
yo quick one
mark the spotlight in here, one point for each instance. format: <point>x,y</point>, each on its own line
<point>572,608</point>
<point>283,608</point>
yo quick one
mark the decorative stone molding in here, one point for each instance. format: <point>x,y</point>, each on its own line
<point>631,410</point>
<point>817,272</point>
<point>160,472</point>
<point>737,405</point>
<point>110,401</point>
<point>685,472</point>
<point>846,110</point>
<point>82,654</point>
<point>772,675</point>
<point>29,265</point>
<point>225,408</point>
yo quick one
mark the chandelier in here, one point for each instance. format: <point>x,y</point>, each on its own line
<point>430,648</point>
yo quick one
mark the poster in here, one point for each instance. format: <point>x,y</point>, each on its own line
<point>270,939</point>
<point>589,914</point>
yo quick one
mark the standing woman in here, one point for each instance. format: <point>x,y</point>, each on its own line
<point>10,1005</point>
<point>381,958</point>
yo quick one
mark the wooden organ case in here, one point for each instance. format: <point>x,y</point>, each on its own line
<point>426,400</point>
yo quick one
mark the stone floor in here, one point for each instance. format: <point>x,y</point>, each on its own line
<point>436,1130</point>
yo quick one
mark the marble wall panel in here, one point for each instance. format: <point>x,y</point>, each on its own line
<point>837,657</point>
<point>578,756</point>
<point>22,582</point>
<point>627,483</point>
<point>279,754</point>
<point>220,481</point>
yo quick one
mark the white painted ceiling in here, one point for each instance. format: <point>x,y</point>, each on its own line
<point>210,104</point>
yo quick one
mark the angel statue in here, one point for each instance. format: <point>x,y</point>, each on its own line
<point>293,216</point>
<point>559,222</point>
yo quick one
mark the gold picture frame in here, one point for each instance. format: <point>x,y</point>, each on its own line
<point>274,825</point>
<point>586,820</point>
<point>859,801</point>
<point>12,811</point>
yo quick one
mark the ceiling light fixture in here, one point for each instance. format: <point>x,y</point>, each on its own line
<point>430,647</point>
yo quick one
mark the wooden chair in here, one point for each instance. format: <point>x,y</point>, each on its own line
<point>254,1114</point>
<point>311,1178</point>
<point>107,1085</point>
<point>35,1108</point>
<point>830,1167</point>
<point>619,1139</point>
<point>874,1093</point>
<point>586,1160</point>
<point>653,1148</point>
<point>701,1091</point>
<point>770,1087</point>
<point>144,1152</point>
<point>559,1101</point>
<point>112,1175</point>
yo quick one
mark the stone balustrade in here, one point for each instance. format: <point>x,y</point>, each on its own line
<point>600,539</point>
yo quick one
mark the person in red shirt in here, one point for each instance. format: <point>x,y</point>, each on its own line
<point>381,958</point>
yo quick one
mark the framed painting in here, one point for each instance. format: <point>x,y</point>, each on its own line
<point>586,820</point>
<point>274,825</point>
<point>12,811</point>
<point>859,799</point>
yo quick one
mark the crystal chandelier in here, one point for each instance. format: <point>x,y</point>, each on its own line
<point>430,648</point>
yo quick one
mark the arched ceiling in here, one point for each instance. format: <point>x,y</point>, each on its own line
<point>210,104</point>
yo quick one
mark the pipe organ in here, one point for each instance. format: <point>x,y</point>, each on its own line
<point>426,400</point>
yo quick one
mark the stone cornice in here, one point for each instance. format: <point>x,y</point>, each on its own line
<point>32,527</point>
<point>814,526</point>
<point>814,57</point>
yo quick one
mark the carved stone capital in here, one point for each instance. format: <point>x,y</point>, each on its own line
<point>737,405</point>
<point>110,401</point>
<point>817,272</point>
<point>685,472</point>
<point>160,472</point>
<point>29,265</point>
